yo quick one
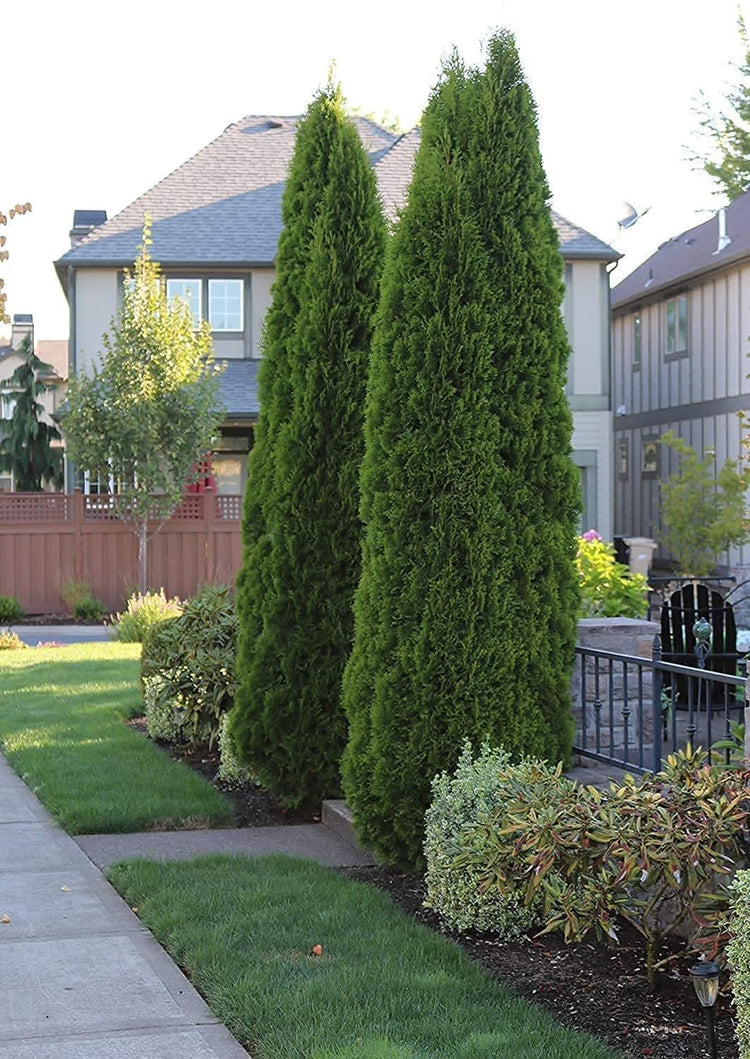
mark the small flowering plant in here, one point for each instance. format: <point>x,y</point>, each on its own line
<point>608,588</point>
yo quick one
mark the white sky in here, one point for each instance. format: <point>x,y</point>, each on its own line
<point>102,100</point>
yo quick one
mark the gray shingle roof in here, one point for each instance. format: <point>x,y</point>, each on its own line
<point>239,388</point>
<point>689,254</point>
<point>223,206</point>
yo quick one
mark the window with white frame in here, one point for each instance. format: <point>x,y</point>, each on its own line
<point>225,305</point>
<point>677,325</point>
<point>190,291</point>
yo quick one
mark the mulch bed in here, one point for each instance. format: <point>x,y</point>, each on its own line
<point>593,987</point>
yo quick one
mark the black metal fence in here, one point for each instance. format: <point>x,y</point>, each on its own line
<point>631,711</point>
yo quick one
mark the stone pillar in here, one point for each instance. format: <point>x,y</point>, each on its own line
<point>641,553</point>
<point>627,636</point>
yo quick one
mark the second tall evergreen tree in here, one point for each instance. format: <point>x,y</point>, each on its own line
<point>302,530</point>
<point>465,615</point>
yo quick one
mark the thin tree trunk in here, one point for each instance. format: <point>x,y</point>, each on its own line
<point>142,552</point>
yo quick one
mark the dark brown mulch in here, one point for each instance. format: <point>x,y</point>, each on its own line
<point>253,806</point>
<point>592,987</point>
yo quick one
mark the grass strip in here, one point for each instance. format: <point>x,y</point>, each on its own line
<point>61,728</point>
<point>385,987</point>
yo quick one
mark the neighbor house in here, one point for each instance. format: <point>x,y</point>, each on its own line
<point>53,353</point>
<point>215,228</point>
<point>680,340</point>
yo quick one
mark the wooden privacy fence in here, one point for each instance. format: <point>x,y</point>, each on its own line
<point>47,539</point>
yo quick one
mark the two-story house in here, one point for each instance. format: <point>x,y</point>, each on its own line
<point>680,341</point>
<point>215,227</point>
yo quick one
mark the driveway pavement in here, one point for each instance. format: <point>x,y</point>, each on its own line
<point>63,634</point>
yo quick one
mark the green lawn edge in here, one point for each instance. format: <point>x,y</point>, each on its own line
<point>385,986</point>
<point>62,713</point>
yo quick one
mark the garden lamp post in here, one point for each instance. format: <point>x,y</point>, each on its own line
<point>705,977</point>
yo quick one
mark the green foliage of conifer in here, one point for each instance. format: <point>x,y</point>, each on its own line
<point>465,615</point>
<point>27,449</point>
<point>301,523</point>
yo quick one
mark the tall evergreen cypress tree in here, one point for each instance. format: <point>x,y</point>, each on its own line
<point>466,611</point>
<point>289,724</point>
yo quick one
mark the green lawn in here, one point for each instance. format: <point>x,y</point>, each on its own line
<point>61,728</point>
<point>384,988</point>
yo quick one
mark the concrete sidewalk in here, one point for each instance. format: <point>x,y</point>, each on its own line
<point>80,978</point>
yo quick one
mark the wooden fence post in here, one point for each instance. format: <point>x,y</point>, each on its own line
<point>77,535</point>
<point>209,529</point>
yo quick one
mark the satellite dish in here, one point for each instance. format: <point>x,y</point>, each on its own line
<point>630,215</point>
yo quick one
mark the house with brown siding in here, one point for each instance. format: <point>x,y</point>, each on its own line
<point>680,343</point>
<point>215,227</point>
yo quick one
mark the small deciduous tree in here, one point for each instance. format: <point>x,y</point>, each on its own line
<point>150,412</point>
<point>702,510</point>
<point>15,211</point>
<point>26,440</point>
<point>725,155</point>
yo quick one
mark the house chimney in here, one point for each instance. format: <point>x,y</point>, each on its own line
<point>84,221</point>
<point>724,239</point>
<point>23,325</point>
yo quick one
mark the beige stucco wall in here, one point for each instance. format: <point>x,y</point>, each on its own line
<point>587,329</point>
<point>262,282</point>
<point>96,305</point>
<point>592,431</point>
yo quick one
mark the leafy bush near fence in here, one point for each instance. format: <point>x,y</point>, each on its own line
<point>188,668</point>
<point>657,854</point>
<point>78,597</point>
<point>738,953</point>
<point>608,588</point>
<point>460,804</point>
<point>10,610</point>
<point>144,611</point>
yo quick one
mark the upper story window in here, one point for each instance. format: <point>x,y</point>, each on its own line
<point>190,290</point>
<point>7,405</point>
<point>637,340</point>
<point>677,325</point>
<point>225,308</point>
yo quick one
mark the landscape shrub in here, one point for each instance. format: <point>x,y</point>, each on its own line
<point>657,854</point>
<point>231,769</point>
<point>738,954</point>
<point>188,666</point>
<point>608,588</point>
<point>144,610</point>
<point>10,610</point>
<point>460,804</point>
<point>9,641</point>
<point>161,721</point>
<point>79,599</point>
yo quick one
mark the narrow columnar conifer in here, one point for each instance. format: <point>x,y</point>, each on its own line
<point>465,614</point>
<point>289,723</point>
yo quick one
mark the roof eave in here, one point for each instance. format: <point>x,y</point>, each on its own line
<point>649,293</point>
<point>590,255</point>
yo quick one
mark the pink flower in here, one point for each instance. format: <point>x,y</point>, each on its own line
<point>592,535</point>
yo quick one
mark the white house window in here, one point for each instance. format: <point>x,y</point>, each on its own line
<point>677,324</point>
<point>7,404</point>
<point>188,290</point>
<point>637,340</point>
<point>225,304</point>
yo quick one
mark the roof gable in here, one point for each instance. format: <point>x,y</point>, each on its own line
<point>688,255</point>
<point>223,206</point>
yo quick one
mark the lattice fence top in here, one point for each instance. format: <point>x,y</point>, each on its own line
<point>229,507</point>
<point>103,507</point>
<point>35,507</point>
